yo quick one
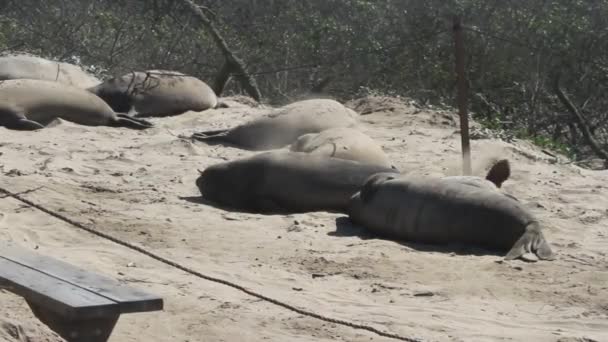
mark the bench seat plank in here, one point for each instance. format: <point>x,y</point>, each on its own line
<point>128,299</point>
<point>63,298</point>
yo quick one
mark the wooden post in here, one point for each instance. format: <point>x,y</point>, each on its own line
<point>462,97</point>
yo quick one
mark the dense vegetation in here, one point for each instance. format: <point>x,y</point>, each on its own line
<point>515,52</point>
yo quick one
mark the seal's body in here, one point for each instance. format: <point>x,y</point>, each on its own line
<point>284,125</point>
<point>283,181</point>
<point>23,66</point>
<point>442,211</point>
<point>344,143</point>
<point>156,93</point>
<point>28,104</point>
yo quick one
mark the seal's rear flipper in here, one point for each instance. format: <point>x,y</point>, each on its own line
<point>219,136</point>
<point>159,115</point>
<point>499,172</point>
<point>24,125</point>
<point>532,241</point>
<point>131,118</point>
<point>128,122</point>
<point>369,188</point>
<point>208,133</point>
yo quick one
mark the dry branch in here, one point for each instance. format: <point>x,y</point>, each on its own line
<point>582,123</point>
<point>233,63</point>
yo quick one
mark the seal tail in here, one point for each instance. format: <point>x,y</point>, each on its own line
<point>123,120</point>
<point>533,241</point>
<point>500,172</point>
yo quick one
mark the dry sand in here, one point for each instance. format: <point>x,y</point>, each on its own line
<point>139,187</point>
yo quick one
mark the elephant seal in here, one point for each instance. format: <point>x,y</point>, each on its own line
<point>284,125</point>
<point>27,104</point>
<point>443,211</point>
<point>156,93</point>
<point>24,66</point>
<point>285,182</point>
<point>344,143</point>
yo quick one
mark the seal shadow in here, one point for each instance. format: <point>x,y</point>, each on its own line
<point>266,211</point>
<point>346,228</point>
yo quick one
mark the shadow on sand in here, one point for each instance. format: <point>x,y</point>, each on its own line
<point>267,209</point>
<point>346,228</point>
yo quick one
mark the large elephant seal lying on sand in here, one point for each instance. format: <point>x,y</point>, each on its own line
<point>31,67</point>
<point>156,93</point>
<point>344,143</point>
<point>32,104</point>
<point>283,181</point>
<point>443,211</point>
<point>284,125</point>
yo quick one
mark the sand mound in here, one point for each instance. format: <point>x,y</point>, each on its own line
<point>139,186</point>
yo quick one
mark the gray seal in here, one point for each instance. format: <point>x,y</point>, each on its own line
<point>443,211</point>
<point>284,125</point>
<point>27,104</point>
<point>156,93</point>
<point>344,143</point>
<point>23,66</point>
<point>285,182</point>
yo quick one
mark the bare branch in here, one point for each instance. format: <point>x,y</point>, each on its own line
<point>582,123</point>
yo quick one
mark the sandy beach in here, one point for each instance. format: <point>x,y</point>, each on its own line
<point>138,186</point>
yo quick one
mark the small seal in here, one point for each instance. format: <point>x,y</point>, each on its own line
<point>344,143</point>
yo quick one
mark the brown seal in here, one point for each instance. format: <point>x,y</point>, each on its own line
<point>156,93</point>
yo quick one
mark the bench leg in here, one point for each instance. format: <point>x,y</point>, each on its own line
<point>77,330</point>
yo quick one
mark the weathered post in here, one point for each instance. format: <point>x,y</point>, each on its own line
<point>462,96</point>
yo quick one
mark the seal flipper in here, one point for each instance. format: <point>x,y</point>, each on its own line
<point>369,187</point>
<point>160,114</point>
<point>132,123</point>
<point>24,125</point>
<point>14,118</point>
<point>130,118</point>
<point>499,173</point>
<point>219,136</point>
<point>532,241</point>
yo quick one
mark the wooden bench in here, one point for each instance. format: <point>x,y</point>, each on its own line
<point>77,304</point>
